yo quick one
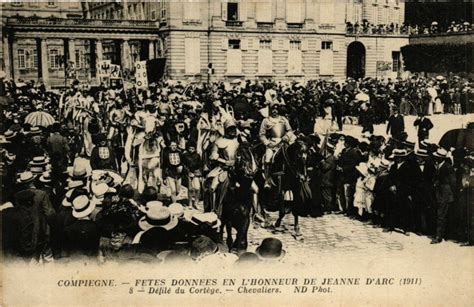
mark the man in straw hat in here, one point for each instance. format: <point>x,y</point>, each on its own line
<point>445,190</point>
<point>82,236</point>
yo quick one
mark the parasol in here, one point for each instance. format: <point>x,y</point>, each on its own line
<point>39,118</point>
<point>440,78</point>
<point>434,23</point>
<point>458,138</point>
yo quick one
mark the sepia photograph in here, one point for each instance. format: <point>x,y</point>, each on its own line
<point>237,152</point>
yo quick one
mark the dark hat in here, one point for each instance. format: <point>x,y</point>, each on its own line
<point>270,248</point>
<point>203,246</point>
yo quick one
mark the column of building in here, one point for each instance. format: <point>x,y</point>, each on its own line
<point>7,56</point>
<point>43,54</point>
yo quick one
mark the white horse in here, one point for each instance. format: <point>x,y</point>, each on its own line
<point>143,154</point>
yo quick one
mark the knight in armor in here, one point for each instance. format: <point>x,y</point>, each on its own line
<point>223,153</point>
<point>173,168</point>
<point>117,131</point>
<point>103,156</point>
<point>275,130</point>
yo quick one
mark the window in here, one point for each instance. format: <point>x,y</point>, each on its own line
<point>263,12</point>
<point>234,43</point>
<point>192,11</point>
<point>326,45</point>
<point>265,57</point>
<point>51,3</point>
<point>17,3</point>
<point>54,59</point>
<point>234,57</point>
<point>326,59</point>
<point>35,59</point>
<point>79,59</point>
<point>153,15</point>
<point>265,44</point>
<point>27,58</point>
<point>163,13</point>
<point>396,61</point>
<point>232,11</point>
<point>295,58</point>
<point>21,58</point>
<point>192,51</point>
<point>295,45</point>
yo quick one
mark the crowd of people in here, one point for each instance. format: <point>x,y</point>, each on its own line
<point>366,27</point>
<point>120,173</point>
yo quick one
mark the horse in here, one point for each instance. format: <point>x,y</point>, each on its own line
<point>149,160</point>
<point>118,135</point>
<point>237,202</point>
<point>291,189</point>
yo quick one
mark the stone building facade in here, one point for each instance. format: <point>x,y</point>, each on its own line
<point>204,40</point>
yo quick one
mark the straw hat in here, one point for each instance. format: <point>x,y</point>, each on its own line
<point>158,217</point>
<point>82,206</point>
<point>25,177</point>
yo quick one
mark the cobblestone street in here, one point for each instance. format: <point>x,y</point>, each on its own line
<point>338,235</point>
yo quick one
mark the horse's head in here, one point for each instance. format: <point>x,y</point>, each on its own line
<point>245,163</point>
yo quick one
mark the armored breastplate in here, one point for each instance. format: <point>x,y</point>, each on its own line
<point>227,148</point>
<point>278,129</point>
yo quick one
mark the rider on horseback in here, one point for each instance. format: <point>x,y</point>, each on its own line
<point>223,153</point>
<point>275,130</point>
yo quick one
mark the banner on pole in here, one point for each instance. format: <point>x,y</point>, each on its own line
<point>115,72</point>
<point>141,76</point>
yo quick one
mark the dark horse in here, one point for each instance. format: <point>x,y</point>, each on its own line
<point>118,137</point>
<point>291,189</point>
<point>237,201</point>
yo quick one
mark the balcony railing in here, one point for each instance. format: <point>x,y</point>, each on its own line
<point>234,23</point>
<point>264,25</point>
<point>35,21</point>
<point>295,26</point>
<point>327,27</point>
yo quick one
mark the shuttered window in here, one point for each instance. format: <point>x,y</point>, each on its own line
<point>326,59</point>
<point>295,58</point>
<point>265,55</point>
<point>192,55</point>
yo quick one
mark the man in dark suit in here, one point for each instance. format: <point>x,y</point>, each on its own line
<point>424,126</point>
<point>82,237</point>
<point>401,178</point>
<point>422,192</point>
<point>328,172</point>
<point>396,124</point>
<point>18,236</point>
<point>43,212</point>
<point>445,190</point>
<point>350,157</point>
